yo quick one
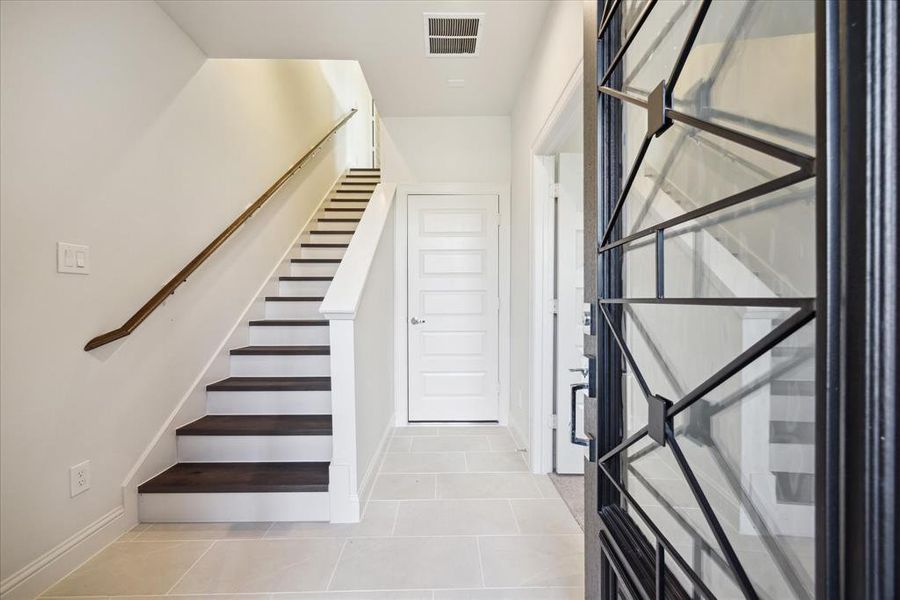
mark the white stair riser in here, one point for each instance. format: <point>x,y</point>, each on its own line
<point>792,408</point>
<point>356,213</point>
<point>289,336</point>
<point>293,310</point>
<point>313,269</point>
<point>271,365</point>
<point>252,448</point>
<point>359,205</point>
<point>268,403</point>
<point>304,288</point>
<point>234,507</point>
<point>339,225</point>
<point>307,252</point>
<point>329,238</point>
<point>352,194</point>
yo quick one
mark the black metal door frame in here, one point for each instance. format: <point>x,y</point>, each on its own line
<point>855,307</point>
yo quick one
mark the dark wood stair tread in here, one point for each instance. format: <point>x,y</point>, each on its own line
<point>344,209</point>
<point>258,425</point>
<point>281,351</point>
<point>239,478</point>
<point>327,220</point>
<point>322,245</point>
<point>331,232</point>
<point>304,278</point>
<point>271,384</point>
<point>289,322</point>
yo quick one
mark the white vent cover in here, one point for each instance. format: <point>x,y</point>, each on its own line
<point>453,34</point>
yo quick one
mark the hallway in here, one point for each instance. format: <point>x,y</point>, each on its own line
<point>454,514</point>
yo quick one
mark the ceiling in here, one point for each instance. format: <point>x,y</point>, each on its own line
<point>386,37</point>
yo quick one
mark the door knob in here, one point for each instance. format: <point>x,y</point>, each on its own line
<point>415,321</point>
<point>583,371</point>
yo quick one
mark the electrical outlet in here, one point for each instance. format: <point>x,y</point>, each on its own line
<point>79,478</point>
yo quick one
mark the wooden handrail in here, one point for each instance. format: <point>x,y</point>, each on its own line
<point>169,289</point>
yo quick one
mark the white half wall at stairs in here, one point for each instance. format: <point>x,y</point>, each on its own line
<point>360,307</point>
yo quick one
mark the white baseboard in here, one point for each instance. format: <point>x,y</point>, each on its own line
<point>37,576</point>
<point>368,480</point>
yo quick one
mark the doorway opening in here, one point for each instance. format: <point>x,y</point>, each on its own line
<point>559,367</point>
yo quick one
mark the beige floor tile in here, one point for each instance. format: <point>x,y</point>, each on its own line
<point>403,486</point>
<point>544,516</point>
<point>572,593</point>
<point>472,430</point>
<point>399,444</point>
<point>200,597</point>
<point>132,533</point>
<point>203,531</point>
<point>495,462</point>
<point>532,560</point>
<point>132,568</point>
<point>431,462</point>
<point>501,443</point>
<point>487,485</point>
<point>263,566</point>
<point>408,563</point>
<point>378,519</point>
<point>368,595</point>
<point>452,443</point>
<point>548,490</point>
<point>91,597</point>
<point>455,517</point>
<point>414,430</point>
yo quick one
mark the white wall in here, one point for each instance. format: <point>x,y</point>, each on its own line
<point>375,357</point>
<point>119,134</point>
<point>445,149</point>
<point>555,58</point>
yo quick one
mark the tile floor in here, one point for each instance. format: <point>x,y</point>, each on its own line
<point>454,515</point>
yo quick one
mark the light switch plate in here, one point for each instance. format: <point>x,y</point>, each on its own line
<point>73,258</point>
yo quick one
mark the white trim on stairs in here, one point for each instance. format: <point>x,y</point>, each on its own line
<point>129,485</point>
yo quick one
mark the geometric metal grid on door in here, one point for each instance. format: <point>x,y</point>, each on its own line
<point>638,568</point>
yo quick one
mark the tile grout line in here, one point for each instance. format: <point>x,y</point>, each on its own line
<point>480,559</point>
<point>356,536</point>
<point>336,564</point>
<point>396,518</point>
<point>295,593</point>
<point>189,569</point>
<point>515,518</point>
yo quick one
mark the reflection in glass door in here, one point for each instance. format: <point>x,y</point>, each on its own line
<point>707,257</point>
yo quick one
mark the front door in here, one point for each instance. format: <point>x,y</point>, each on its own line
<point>706,250</point>
<point>453,307</point>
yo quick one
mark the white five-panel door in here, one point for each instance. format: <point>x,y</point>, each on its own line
<point>453,307</point>
<point>570,299</point>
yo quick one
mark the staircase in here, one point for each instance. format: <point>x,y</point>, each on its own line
<point>262,452</point>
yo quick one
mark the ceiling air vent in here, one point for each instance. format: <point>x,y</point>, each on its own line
<point>453,34</point>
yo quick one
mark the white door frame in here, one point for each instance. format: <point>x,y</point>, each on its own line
<point>558,125</point>
<point>401,246</point>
